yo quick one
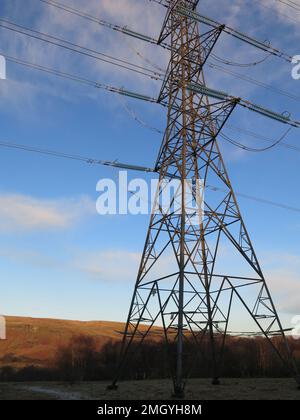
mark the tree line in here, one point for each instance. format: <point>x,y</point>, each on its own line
<point>82,360</point>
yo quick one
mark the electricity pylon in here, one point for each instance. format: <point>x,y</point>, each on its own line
<point>185,283</point>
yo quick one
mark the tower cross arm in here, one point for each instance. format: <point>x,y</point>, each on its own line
<point>233,32</point>
<point>197,88</point>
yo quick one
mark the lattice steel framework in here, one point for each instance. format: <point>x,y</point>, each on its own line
<point>184,283</point>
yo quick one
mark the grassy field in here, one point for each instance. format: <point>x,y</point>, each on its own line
<point>198,389</point>
<point>33,341</point>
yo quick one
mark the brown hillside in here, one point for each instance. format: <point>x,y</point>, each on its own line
<point>32,341</point>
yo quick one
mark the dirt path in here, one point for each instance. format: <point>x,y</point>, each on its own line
<point>58,394</point>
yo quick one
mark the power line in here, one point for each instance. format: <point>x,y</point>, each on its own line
<point>290,4</point>
<point>195,88</point>
<point>51,37</point>
<point>90,161</point>
<point>258,199</point>
<point>250,133</point>
<point>185,12</point>
<point>137,119</point>
<point>267,47</point>
<point>254,81</point>
<point>116,164</point>
<point>160,2</point>
<point>123,29</point>
<point>70,46</point>
<point>251,149</point>
<point>277,11</point>
<point>233,63</point>
<point>262,137</point>
<point>147,60</point>
<point>221,95</point>
<point>293,2</point>
<point>244,37</point>
<point>79,79</point>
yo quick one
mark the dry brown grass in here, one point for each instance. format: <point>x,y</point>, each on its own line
<point>198,389</point>
<point>32,341</point>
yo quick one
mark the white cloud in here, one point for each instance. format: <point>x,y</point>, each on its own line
<point>19,213</point>
<point>132,13</point>
<point>285,288</point>
<point>109,266</point>
<point>120,265</point>
<point>283,12</point>
<point>283,278</point>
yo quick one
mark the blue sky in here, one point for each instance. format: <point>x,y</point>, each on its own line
<point>58,258</point>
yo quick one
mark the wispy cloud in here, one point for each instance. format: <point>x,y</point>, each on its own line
<point>56,22</point>
<point>285,287</point>
<point>109,266</point>
<point>119,265</point>
<point>22,213</point>
<point>284,280</point>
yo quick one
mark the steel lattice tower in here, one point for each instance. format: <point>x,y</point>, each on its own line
<point>184,283</point>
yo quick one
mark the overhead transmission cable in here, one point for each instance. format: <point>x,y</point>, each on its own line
<point>137,119</point>
<point>59,42</point>
<point>78,79</point>
<point>116,164</point>
<point>160,2</point>
<point>254,81</point>
<point>196,88</point>
<point>272,9</point>
<point>252,149</point>
<point>267,47</point>
<point>293,2</point>
<point>81,158</point>
<point>261,137</point>
<point>147,60</point>
<point>293,5</point>
<point>114,27</point>
<point>185,12</point>
<point>235,64</point>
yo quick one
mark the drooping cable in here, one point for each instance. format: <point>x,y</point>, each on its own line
<point>259,136</point>
<point>235,64</point>
<point>146,60</point>
<point>251,149</point>
<point>137,119</point>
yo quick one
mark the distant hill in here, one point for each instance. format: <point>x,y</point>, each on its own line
<point>33,341</point>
